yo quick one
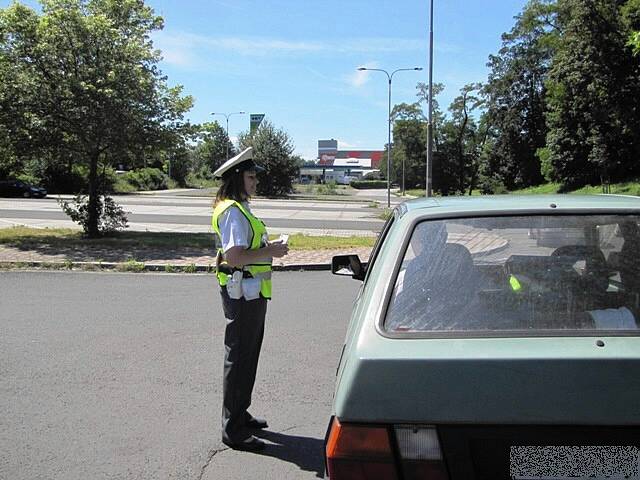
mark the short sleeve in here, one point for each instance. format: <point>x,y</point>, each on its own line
<point>234,229</point>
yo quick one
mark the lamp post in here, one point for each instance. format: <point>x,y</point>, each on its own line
<point>429,163</point>
<point>227,115</point>
<point>390,77</point>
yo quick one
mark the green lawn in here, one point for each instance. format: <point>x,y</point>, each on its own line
<point>24,237</point>
<point>624,188</point>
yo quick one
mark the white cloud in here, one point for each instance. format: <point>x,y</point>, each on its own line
<point>180,57</point>
<point>185,42</point>
<point>358,78</point>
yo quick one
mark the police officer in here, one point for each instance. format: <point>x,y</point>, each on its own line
<point>244,273</point>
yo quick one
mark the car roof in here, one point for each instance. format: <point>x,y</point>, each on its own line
<point>513,204</point>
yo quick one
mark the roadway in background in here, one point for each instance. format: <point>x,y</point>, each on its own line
<point>178,213</point>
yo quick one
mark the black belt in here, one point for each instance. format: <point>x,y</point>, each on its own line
<point>226,269</point>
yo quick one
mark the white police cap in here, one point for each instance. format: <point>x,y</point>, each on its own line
<point>241,162</point>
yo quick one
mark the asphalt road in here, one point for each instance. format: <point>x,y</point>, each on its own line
<point>118,376</point>
<point>193,214</point>
<point>205,220</point>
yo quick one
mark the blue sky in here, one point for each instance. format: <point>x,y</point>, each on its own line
<point>296,61</point>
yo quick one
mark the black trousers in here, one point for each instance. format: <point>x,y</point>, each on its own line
<point>242,341</point>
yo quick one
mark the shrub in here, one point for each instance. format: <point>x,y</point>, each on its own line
<point>147,179</point>
<point>364,184</point>
<point>111,216</point>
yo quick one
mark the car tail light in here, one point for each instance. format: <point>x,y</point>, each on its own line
<point>420,453</point>
<point>356,451</point>
<point>359,452</point>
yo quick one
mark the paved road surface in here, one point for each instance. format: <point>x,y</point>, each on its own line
<point>119,376</point>
<point>192,214</point>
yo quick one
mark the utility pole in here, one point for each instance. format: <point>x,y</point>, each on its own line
<point>429,166</point>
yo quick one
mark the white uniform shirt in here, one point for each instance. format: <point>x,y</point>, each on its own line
<point>235,229</point>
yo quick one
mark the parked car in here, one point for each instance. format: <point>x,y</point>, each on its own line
<point>475,352</point>
<point>17,188</point>
<point>345,179</point>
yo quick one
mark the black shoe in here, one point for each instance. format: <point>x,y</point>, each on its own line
<point>256,423</point>
<point>251,444</point>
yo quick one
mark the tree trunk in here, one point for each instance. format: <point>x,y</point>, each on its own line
<point>92,221</point>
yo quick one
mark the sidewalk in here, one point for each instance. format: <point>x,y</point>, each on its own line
<point>157,259</point>
<point>192,259</point>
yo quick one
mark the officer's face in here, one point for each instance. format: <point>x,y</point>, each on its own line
<point>250,182</point>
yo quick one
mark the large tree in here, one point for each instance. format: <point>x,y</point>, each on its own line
<point>273,150</point>
<point>593,107</point>
<point>631,18</point>
<point>80,81</point>
<point>212,149</point>
<point>515,96</point>
<point>410,141</point>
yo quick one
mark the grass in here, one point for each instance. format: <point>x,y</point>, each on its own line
<point>544,189</point>
<point>24,237</point>
<point>67,237</point>
<point>623,188</point>
<point>309,242</point>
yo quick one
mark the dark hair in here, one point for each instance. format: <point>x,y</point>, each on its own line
<point>232,188</point>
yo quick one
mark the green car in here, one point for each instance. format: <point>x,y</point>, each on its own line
<point>493,338</point>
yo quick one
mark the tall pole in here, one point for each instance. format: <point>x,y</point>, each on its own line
<point>226,116</point>
<point>429,165</point>
<point>389,147</point>
<point>227,142</point>
<point>390,78</point>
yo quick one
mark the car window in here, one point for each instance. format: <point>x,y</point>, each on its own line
<point>527,274</point>
<point>378,244</point>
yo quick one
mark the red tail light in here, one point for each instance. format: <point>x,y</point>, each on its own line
<point>357,452</point>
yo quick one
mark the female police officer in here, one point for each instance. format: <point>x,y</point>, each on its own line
<point>244,274</point>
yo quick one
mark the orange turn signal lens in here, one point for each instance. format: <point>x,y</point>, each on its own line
<point>359,452</point>
<point>358,441</point>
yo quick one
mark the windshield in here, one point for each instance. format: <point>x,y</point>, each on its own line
<point>527,274</point>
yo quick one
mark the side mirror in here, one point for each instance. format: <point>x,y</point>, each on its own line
<point>348,265</point>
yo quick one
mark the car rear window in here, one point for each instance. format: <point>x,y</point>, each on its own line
<point>519,274</point>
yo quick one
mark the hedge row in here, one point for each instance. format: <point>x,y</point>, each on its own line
<point>364,184</point>
<point>147,179</point>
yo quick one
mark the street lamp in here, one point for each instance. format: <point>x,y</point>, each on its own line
<point>429,166</point>
<point>390,77</point>
<point>227,115</point>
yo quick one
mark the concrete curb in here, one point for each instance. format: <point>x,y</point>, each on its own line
<point>139,267</point>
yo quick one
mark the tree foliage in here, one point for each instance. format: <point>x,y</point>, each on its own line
<point>593,109</point>
<point>273,150</point>
<point>211,150</point>
<point>515,96</point>
<point>79,84</point>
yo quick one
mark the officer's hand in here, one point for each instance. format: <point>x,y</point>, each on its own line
<point>278,249</point>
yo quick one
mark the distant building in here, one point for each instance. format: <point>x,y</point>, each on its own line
<point>341,165</point>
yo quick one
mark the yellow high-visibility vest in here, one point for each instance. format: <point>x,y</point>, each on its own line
<point>261,270</point>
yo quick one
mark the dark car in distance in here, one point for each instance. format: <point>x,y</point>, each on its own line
<point>17,188</point>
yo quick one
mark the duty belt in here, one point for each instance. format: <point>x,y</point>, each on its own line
<point>245,273</point>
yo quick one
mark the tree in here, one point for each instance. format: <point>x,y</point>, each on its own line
<point>273,150</point>
<point>93,93</point>
<point>631,19</point>
<point>515,96</point>
<point>211,152</point>
<point>462,138</point>
<point>410,139</point>
<point>593,113</point>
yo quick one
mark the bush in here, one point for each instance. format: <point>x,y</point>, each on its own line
<point>58,179</point>
<point>147,179</point>
<point>111,216</point>
<point>364,184</point>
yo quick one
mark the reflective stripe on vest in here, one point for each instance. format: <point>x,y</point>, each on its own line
<point>261,270</point>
